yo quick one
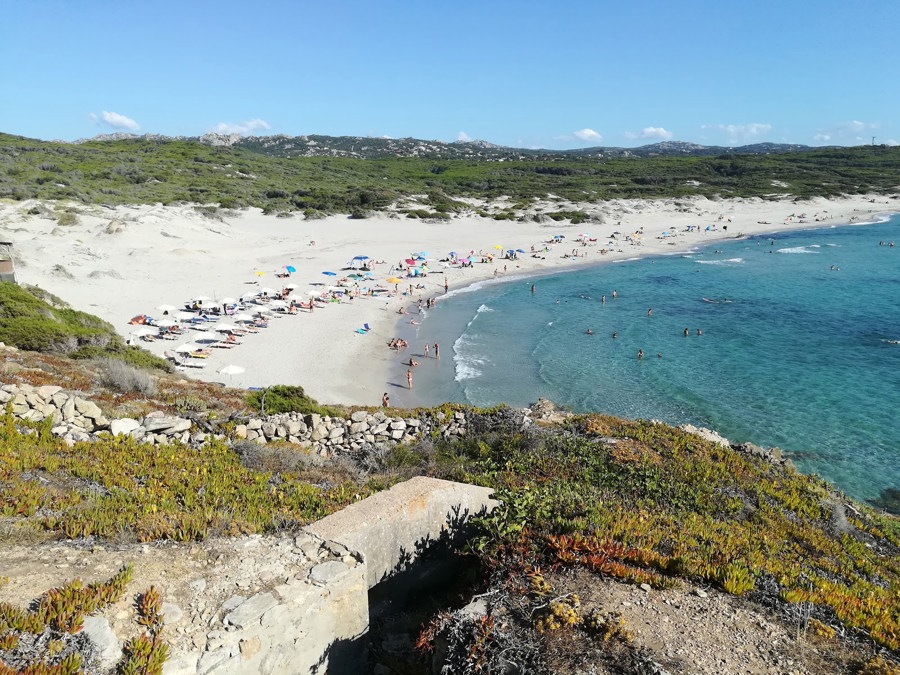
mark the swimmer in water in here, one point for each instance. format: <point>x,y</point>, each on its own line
<point>640,353</point>
<point>589,331</point>
<point>615,334</point>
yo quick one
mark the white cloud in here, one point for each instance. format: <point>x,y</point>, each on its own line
<point>588,135</point>
<point>891,141</point>
<point>857,127</point>
<point>241,128</point>
<point>851,132</point>
<point>656,132</point>
<point>740,133</point>
<point>463,137</point>
<point>650,132</point>
<point>115,120</point>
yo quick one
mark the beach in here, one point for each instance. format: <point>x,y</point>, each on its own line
<point>121,262</point>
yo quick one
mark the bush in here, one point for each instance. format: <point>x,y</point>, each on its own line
<point>285,398</point>
<point>122,377</point>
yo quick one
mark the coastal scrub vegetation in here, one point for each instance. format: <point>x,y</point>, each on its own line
<point>35,320</point>
<point>169,171</point>
<point>646,503</point>
<point>640,502</point>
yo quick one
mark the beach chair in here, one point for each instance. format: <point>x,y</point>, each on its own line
<point>366,327</point>
<point>361,331</point>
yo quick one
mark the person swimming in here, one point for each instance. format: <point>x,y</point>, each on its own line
<point>589,331</point>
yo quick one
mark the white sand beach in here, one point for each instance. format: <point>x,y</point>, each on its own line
<point>119,262</point>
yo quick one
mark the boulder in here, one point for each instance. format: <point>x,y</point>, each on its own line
<point>123,426</point>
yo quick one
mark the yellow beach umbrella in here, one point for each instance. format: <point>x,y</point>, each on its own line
<point>259,273</point>
<point>393,280</point>
<point>498,247</point>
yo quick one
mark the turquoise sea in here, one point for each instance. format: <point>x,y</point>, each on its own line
<point>800,346</point>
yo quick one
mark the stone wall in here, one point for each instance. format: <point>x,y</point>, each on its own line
<point>77,419</point>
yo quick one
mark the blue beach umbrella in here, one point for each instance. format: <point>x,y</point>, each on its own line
<point>290,268</point>
<point>520,250</point>
<point>330,274</point>
<point>360,257</point>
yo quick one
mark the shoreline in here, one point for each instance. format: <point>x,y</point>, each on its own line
<point>402,330</point>
<point>118,262</point>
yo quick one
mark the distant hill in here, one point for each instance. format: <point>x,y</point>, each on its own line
<point>367,147</point>
<point>315,175</point>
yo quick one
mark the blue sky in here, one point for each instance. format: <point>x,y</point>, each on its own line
<point>561,74</point>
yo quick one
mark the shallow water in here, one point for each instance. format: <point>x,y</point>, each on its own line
<point>793,353</point>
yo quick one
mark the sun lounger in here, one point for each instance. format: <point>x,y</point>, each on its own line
<point>361,331</point>
<point>366,326</point>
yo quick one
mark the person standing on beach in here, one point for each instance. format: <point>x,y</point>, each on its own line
<point>446,286</point>
<point>409,378</point>
<point>437,351</point>
<point>385,401</point>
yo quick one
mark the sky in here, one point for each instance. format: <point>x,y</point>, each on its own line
<point>533,74</point>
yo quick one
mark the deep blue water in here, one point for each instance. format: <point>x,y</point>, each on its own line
<point>793,353</point>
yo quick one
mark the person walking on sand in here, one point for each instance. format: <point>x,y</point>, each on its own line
<point>385,401</point>
<point>437,351</point>
<point>409,378</point>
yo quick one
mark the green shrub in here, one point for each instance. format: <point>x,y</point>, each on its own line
<point>286,398</point>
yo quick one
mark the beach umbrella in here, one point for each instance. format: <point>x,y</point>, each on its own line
<point>225,328</point>
<point>361,257</point>
<point>423,253</point>
<point>520,250</point>
<point>231,370</point>
<point>452,254</point>
<point>290,268</point>
<point>355,276</point>
<point>498,247</point>
<point>259,273</point>
<point>243,318</point>
<point>187,348</point>
<point>330,274</point>
<point>145,331</point>
<point>266,291</point>
<point>184,316</point>
<point>290,286</point>
<point>227,301</point>
<point>166,308</point>
<point>201,298</point>
<point>472,258</point>
<point>278,303</point>
<point>293,297</point>
<point>249,295</point>
<point>314,294</point>
<point>166,323</point>
<point>394,280</point>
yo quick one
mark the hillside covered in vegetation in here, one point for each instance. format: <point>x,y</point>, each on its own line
<point>145,171</point>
